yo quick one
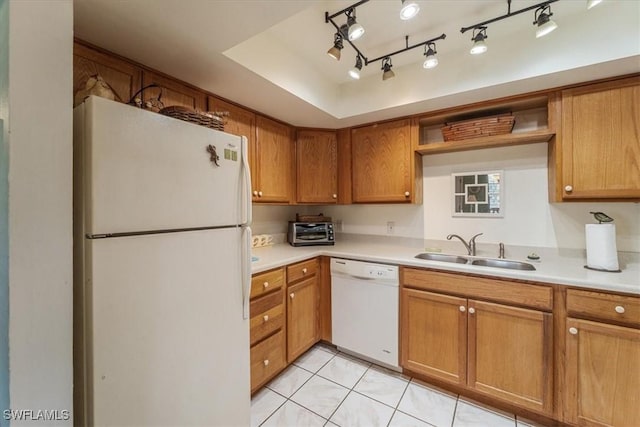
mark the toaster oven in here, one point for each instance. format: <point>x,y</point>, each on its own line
<point>310,233</point>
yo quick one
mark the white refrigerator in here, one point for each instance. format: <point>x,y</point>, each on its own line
<point>162,210</point>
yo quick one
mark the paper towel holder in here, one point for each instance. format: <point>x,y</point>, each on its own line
<point>602,217</point>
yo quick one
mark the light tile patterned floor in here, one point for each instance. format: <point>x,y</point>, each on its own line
<point>327,388</point>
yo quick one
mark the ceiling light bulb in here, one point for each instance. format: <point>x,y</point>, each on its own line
<point>354,73</point>
<point>386,67</point>
<point>409,9</point>
<point>544,22</point>
<point>479,45</point>
<point>355,30</point>
<point>592,3</point>
<point>431,61</point>
<point>334,52</point>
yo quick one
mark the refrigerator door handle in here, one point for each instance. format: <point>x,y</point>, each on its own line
<point>246,271</point>
<point>246,172</point>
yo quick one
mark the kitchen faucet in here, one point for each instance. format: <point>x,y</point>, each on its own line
<point>471,246</point>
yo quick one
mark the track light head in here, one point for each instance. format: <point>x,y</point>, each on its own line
<point>592,3</point>
<point>354,73</point>
<point>431,61</point>
<point>543,21</point>
<point>386,68</point>
<point>479,45</point>
<point>355,30</point>
<point>334,52</point>
<point>409,9</point>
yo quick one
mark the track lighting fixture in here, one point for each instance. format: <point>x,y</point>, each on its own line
<point>354,73</point>
<point>479,36</point>
<point>334,52</point>
<point>430,52</point>
<point>543,21</point>
<point>409,9</point>
<point>592,3</point>
<point>355,30</point>
<point>386,68</point>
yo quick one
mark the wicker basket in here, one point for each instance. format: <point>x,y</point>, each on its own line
<point>474,128</point>
<point>188,115</point>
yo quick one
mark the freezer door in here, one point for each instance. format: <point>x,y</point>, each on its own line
<point>167,342</point>
<point>143,171</point>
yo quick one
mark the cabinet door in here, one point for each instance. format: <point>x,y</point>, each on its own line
<point>601,140</point>
<point>434,335</point>
<point>603,374</point>
<point>239,122</point>
<point>273,165</point>
<point>174,92</point>
<point>317,167</point>
<point>382,163</point>
<point>302,317</point>
<point>123,77</point>
<point>510,354</point>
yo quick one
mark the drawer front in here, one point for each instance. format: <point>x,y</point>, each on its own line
<point>534,296</point>
<point>267,359</point>
<point>265,322</point>
<point>302,270</point>
<point>600,305</point>
<point>267,282</point>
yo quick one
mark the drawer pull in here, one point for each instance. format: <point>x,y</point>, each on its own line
<point>472,310</point>
<point>304,271</point>
<point>407,194</point>
<point>573,331</point>
<point>568,188</point>
<point>266,362</point>
<point>335,196</point>
<point>619,309</point>
<point>265,285</point>
<point>463,308</point>
<point>266,317</point>
<point>292,295</point>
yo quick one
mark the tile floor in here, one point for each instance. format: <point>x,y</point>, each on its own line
<point>328,388</point>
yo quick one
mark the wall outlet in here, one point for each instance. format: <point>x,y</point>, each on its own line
<point>391,227</point>
<point>338,225</point>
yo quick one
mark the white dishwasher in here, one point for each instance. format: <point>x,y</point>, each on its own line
<point>364,310</point>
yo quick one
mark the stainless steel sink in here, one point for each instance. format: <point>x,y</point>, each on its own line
<point>442,257</point>
<point>503,263</point>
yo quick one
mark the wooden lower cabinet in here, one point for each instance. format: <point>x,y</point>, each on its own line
<point>501,351</point>
<point>603,374</point>
<point>267,359</point>
<point>302,310</point>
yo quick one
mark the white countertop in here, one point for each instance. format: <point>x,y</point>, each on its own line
<point>561,266</point>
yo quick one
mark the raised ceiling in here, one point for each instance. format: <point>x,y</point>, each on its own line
<point>271,55</point>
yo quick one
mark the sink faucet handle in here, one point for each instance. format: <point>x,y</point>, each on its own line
<point>501,250</point>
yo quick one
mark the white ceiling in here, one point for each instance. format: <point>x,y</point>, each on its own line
<point>270,55</point>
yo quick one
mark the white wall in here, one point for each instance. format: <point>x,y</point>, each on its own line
<point>40,206</point>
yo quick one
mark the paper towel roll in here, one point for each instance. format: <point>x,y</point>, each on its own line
<point>601,246</point>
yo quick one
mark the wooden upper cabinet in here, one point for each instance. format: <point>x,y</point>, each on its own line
<point>316,167</point>
<point>273,165</point>
<point>239,122</point>
<point>174,92</point>
<point>382,160</point>
<point>123,77</point>
<point>600,141</point>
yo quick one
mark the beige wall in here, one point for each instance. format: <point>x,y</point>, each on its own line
<point>40,209</point>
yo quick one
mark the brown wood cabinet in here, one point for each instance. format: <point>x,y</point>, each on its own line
<point>273,165</point>
<point>385,168</point>
<point>602,359</point>
<point>600,141</point>
<point>499,350</point>
<point>123,77</point>
<point>173,92</point>
<point>267,327</point>
<point>239,122</point>
<point>316,167</point>
<point>302,307</point>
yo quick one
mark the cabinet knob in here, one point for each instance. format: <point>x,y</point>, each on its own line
<point>407,194</point>
<point>472,310</point>
<point>266,362</point>
<point>255,193</point>
<point>619,309</point>
<point>335,196</point>
<point>292,295</point>
<point>265,285</point>
<point>259,193</point>
<point>568,188</point>
<point>266,317</point>
<point>463,308</point>
<point>573,331</point>
<point>304,271</point>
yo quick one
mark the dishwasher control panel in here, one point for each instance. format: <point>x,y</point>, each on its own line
<point>364,270</point>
